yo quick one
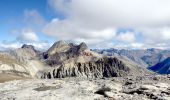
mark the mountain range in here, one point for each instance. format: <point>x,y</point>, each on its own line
<point>149,58</point>
<point>65,59</point>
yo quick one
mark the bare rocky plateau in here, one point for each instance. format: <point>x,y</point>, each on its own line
<point>155,87</point>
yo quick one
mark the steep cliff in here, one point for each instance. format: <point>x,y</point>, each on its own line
<point>104,67</point>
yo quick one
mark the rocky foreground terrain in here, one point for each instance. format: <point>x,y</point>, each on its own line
<point>154,87</point>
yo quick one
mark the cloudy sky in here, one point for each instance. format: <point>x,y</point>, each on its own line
<point>129,24</point>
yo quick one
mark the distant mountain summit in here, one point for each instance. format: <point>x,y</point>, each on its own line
<point>162,67</point>
<point>62,51</point>
<point>59,46</point>
<point>62,46</point>
<point>28,47</point>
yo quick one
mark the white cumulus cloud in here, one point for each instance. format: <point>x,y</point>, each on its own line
<point>63,29</point>
<point>97,21</point>
<point>27,36</point>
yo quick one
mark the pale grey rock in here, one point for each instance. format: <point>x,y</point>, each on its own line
<point>86,89</point>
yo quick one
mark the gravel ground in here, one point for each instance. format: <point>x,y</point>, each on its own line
<point>128,88</point>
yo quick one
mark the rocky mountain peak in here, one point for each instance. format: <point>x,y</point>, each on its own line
<point>60,46</point>
<point>62,51</point>
<point>30,47</point>
<point>82,47</point>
